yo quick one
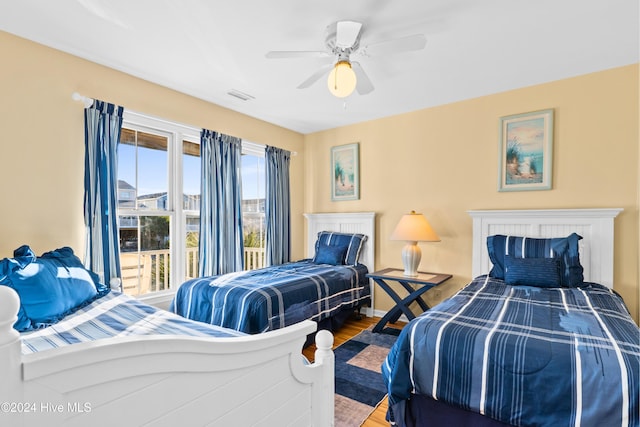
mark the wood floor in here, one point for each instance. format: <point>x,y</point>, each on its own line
<point>351,328</point>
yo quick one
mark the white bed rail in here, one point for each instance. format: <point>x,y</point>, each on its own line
<point>166,380</point>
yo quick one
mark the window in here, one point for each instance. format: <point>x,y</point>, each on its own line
<point>156,228</point>
<point>159,204</point>
<point>253,199</point>
<point>191,206</point>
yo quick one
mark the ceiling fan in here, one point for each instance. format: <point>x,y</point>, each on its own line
<point>343,40</point>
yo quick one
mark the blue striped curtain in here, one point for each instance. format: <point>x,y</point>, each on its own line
<point>221,244</point>
<point>277,206</point>
<point>102,124</point>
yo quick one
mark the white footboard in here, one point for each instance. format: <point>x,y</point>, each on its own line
<point>166,381</point>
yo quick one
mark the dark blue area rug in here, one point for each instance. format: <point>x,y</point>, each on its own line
<point>359,384</point>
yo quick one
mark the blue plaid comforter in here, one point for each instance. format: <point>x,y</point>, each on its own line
<point>522,355</point>
<point>274,297</point>
<point>116,315</point>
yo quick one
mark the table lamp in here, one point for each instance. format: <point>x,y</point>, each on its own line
<point>413,228</point>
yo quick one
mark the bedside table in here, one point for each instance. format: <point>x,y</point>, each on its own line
<point>415,287</point>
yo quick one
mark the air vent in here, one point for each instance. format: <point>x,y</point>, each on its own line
<point>240,95</point>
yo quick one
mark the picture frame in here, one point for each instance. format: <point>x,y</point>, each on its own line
<point>345,172</point>
<point>525,151</point>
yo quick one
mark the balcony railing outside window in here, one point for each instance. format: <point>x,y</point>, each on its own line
<point>253,258</point>
<point>148,271</point>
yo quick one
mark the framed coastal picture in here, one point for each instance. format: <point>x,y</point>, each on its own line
<point>345,172</point>
<point>525,151</point>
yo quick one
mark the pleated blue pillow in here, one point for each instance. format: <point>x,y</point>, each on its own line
<point>563,248</point>
<point>49,287</point>
<point>351,242</point>
<point>67,258</point>
<point>539,272</point>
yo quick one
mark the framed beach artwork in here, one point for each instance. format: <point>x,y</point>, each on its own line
<point>525,151</point>
<point>345,172</point>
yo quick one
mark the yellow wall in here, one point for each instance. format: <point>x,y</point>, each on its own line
<point>42,147</point>
<point>443,161</point>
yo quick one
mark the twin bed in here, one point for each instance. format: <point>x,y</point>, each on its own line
<point>327,287</point>
<point>538,338</point>
<point>116,361</point>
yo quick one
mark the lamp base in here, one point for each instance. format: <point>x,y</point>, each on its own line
<point>411,255</point>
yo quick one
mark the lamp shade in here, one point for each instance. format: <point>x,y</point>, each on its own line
<point>414,227</point>
<point>342,79</point>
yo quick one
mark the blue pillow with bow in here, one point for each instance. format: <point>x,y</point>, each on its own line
<point>50,287</point>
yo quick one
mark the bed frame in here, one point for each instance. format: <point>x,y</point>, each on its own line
<point>166,380</point>
<point>346,222</point>
<point>594,225</point>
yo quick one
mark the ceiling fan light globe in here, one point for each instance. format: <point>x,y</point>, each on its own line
<point>342,80</point>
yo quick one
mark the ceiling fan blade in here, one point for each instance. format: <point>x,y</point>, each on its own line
<point>402,44</point>
<point>315,76</point>
<point>363,83</point>
<point>347,33</point>
<point>278,54</point>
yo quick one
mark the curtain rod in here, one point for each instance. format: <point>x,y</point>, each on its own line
<point>85,100</point>
<point>89,101</point>
<point>263,146</point>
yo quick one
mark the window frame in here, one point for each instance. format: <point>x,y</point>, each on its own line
<point>176,133</point>
<point>255,150</point>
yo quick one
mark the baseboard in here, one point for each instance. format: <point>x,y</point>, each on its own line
<point>381,313</point>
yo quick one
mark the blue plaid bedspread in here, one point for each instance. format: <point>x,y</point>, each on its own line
<point>525,356</point>
<point>274,297</point>
<point>116,315</point>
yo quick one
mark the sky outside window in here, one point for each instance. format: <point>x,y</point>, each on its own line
<point>152,173</point>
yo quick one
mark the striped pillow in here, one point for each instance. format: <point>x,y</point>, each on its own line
<point>563,248</point>
<point>351,242</point>
<point>540,272</point>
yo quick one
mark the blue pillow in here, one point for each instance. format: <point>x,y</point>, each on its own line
<point>333,255</point>
<point>50,287</point>
<point>351,242</point>
<point>539,272</point>
<point>67,258</point>
<point>563,248</point>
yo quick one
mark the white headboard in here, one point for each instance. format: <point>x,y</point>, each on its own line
<point>350,222</point>
<point>594,225</point>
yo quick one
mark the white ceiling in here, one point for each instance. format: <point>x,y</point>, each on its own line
<point>205,48</point>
